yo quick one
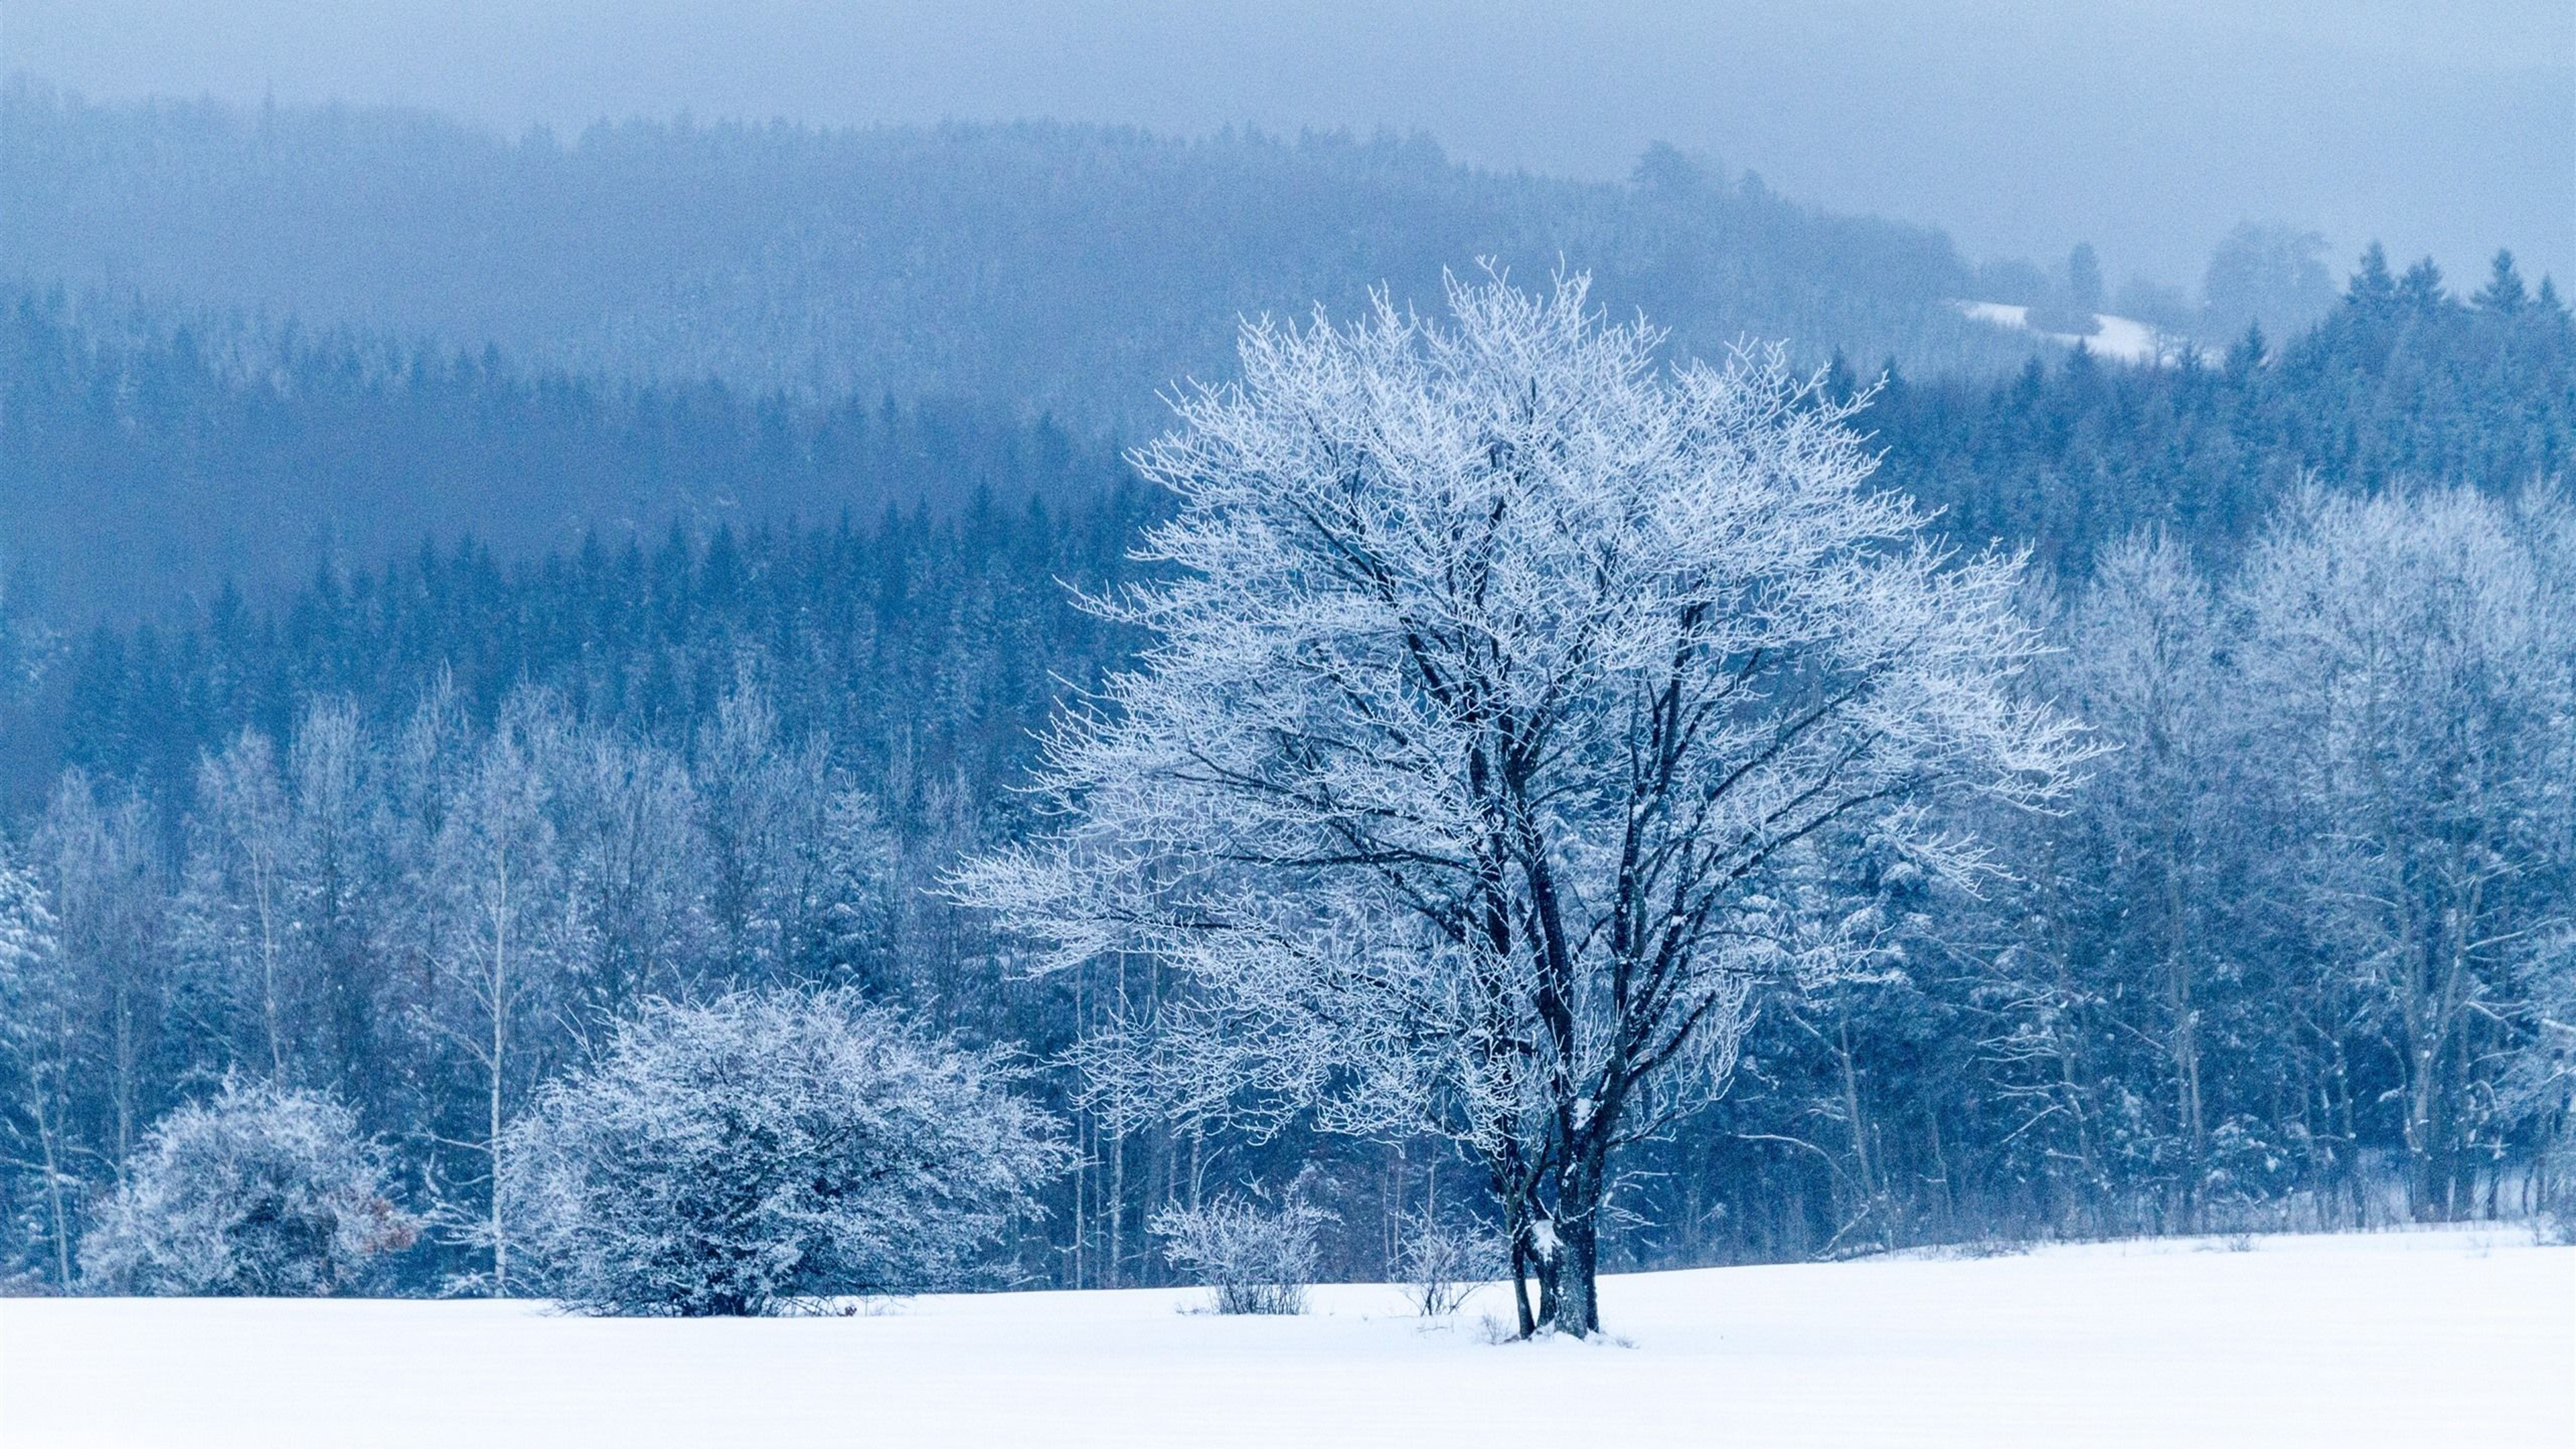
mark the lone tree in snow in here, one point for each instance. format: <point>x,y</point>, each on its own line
<point>1504,692</point>
<point>259,1192</point>
<point>768,1149</point>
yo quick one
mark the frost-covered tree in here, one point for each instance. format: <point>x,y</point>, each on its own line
<point>342,887</point>
<point>39,1046</point>
<point>767,1149</point>
<point>2141,668</point>
<point>1474,776</point>
<point>259,1191</point>
<point>632,865</point>
<point>790,848</point>
<point>96,857</point>
<point>2409,668</point>
<point>498,918</point>
<point>237,915</point>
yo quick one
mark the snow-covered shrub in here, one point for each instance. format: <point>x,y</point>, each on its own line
<point>1440,1263</point>
<point>765,1150</point>
<point>2247,1178</point>
<point>1252,1258</point>
<point>261,1191</point>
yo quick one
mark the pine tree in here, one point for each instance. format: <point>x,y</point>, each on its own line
<point>2249,353</point>
<point>2503,293</point>
<point>2373,287</point>
<point>2421,290</point>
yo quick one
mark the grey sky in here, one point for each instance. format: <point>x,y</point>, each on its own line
<point>2145,126</point>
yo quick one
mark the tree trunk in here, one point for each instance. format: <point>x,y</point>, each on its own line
<point>1864,1171</point>
<point>1570,1264</point>
<point>270,1007</point>
<point>45,1123</point>
<point>1528,1323</point>
<point>2185,1046</point>
<point>1516,1231</point>
<point>1117,1209</point>
<point>500,1046</point>
<point>1570,1238</point>
<point>1578,1303</point>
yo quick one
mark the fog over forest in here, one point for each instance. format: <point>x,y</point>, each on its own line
<point>2148,127</point>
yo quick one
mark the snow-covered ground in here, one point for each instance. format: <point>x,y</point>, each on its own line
<point>2124,338</point>
<point>2414,1339</point>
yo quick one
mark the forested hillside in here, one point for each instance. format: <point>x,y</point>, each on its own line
<point>147,462</point>
<point>146,465</point>
<point>742,749</point>
<point>2404,383</point>
<point>1058,268</point>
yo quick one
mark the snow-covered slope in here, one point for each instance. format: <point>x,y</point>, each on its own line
<point>2124,338</point>
<point>2404,1339</point>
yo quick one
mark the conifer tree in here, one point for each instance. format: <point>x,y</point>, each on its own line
<point>2503,294</point>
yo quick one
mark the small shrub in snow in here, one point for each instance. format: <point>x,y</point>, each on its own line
<point>1253,1258</point>
<point>1441,1263</point>
<point>258,1192</point>
<point>765,1150</point>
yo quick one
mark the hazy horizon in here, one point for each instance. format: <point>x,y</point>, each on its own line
<point>2145,128</point>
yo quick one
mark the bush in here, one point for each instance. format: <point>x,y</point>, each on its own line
<point>261,1191</point>
<point>1441,1263</point>
<point>1253,1258</point>
<point>764,1151</point>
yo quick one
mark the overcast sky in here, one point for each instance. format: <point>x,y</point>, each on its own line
<point>2145,126</point>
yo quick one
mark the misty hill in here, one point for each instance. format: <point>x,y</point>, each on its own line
<point>1067,268</point>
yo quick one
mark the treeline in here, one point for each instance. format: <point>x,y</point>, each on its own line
<point>717,762</point>
<point>144,463</point>
<point>2299,953</point>
<point>1064,268</point>
<point>429,919</point>
<point>2404,381</point>
<point>927,645</point>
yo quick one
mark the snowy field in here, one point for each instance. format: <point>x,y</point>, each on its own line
<point>2436,1338</point>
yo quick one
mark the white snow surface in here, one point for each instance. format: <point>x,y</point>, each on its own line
<point>2125,339</point>
<point>2412,1339</point>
